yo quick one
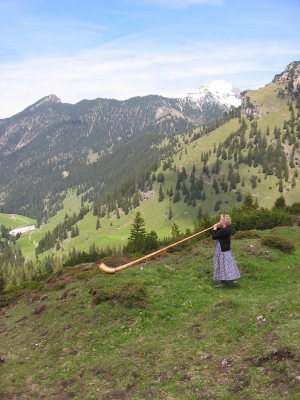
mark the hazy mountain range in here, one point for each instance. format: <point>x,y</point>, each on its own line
<point>108,118</point>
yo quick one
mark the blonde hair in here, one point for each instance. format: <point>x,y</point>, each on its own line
<point>227,219</point>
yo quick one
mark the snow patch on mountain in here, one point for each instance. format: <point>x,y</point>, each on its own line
<point>220,91</point>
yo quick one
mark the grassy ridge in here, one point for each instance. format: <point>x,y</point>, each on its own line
<point>179,339</point>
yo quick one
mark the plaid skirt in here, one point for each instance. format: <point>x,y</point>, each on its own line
<point>225,267</point>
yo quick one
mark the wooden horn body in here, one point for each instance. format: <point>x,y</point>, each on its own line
<point>111,270</point>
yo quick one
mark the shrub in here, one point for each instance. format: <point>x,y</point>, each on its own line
<point>260,219</point>
<point>8,298</point>
<point>32,285</point>
<point>295,208</point>
<point>277,242</point>
<point>251,234</point>
<point>129,295</point>
<point>86,275</point>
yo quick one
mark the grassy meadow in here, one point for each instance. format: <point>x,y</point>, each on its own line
<point>13,221</point>
<point>160,330</point>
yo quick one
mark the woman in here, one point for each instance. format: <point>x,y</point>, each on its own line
<point>225,267</point>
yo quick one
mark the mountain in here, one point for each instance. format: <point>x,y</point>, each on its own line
<point>290,77</point>
<point>44,150</point>
<point>112,118</point>
<point>218,92</point>
<point>107,150</point>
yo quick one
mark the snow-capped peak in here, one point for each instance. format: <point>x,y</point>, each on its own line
<point>221,91</point>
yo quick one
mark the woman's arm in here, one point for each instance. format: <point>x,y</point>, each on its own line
<point>218,233</point>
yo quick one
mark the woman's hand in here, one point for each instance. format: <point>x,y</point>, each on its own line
<point>216,226</point>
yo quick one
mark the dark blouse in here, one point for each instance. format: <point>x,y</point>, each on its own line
<point>224,236</point>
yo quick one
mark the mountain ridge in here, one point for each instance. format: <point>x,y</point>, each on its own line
<point>19,129</point>
<point>42,147</point>
<point>49,150</point>
<point>223,92</point>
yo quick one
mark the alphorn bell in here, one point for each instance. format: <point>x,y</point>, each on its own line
<point>111,270</point>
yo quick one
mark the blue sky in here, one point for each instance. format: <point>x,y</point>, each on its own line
<point>121,49</point>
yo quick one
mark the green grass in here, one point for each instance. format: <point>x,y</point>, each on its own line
<point>180,339</point>
<point>15,221</point>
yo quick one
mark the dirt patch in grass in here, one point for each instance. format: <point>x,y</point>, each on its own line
<point>242,382</point>
<point>227,304</point>
<point>100,371</point>
<point>196,331</point>
<point>39,309</point>
<point>68,293</point>
<point>255,249</point>
<point>116,395</point>
<point>277,356</point>
<point>151,394</point>
<point>58,283</point>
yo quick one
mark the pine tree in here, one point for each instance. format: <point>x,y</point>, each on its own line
<point>151,242</point>
<point>161,195</point>
<point>135,200</point>
<point>280,202</point>
<point>249,203</point>
<point>178,184</point>
<point>184,188</point>
<point>98,224</point>
<point>199,212</point>
<point>176,197</point>
<point>2,282</point>
<point>217,206</point>
<point>137,236</point>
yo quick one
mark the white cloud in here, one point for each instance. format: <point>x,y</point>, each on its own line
<point>129,69</point>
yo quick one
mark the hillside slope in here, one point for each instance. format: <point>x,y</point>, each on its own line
<point>159,330</point>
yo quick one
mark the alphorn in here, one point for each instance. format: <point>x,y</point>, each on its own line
<point>112,270</point>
